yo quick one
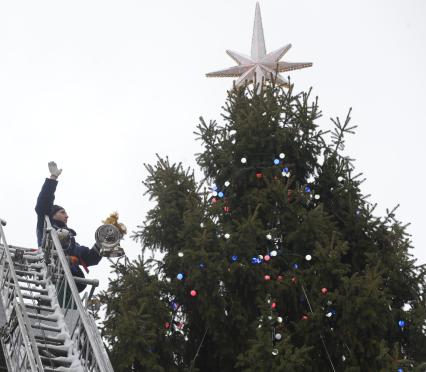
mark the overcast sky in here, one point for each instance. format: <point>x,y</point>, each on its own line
<point>101,86</point>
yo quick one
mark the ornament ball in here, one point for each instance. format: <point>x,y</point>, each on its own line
<point>278,336</point>
<point>193,293</point>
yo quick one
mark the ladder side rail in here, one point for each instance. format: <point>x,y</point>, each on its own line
<point>24,322</point>
<point>8,365</point>
<point>96,345</point>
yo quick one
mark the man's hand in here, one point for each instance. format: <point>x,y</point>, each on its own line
<point>54,171</point>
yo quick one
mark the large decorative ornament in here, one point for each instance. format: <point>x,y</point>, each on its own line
<point>259,65</point>
<point>108,238</point>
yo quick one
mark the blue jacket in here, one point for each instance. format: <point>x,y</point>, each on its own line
<point>88,257</point>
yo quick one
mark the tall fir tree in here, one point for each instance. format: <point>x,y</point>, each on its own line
<point>278,265</point>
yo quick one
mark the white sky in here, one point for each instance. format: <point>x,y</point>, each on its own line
<point>101,86</point>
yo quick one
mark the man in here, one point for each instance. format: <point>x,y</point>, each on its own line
<point>78,254</point>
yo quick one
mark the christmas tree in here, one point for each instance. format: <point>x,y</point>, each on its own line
<point>274,261</point>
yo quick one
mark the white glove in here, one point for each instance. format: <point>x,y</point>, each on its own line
<point>53,169</point>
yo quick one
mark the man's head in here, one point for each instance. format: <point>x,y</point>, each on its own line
<point>58,213</point>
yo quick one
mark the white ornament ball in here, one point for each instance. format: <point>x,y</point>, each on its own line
<point>282,155</point>
<point>274,352</point>
<point>180,254</point>
<point>269,236</point>
<point>273,253</point>
<point>278,336</point>
<point>227,183</point>
<point>279,319</point>
<point>308,257</point>
<point>227,236</point>
<point>243,160</point>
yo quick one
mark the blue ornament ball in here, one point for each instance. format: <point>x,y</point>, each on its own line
<point>307,189</point>
<point>220,194</point>
<point>179,276</point>
<point>256,260</point>
<point>276,161</point>
<point>401,323</point>
<point>234,258</point>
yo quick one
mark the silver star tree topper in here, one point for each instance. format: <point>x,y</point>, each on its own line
<point>259,66</point>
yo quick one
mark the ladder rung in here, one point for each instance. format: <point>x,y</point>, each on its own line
<point>31,289</point>
<point>59,361</point>
<point>13,247</point>
<point>52,340</point>
<point>39,282</point>
<point>46,318</point>
<point>39,298</point>
<point>33,273</point>
<point>46,327</point>
<point>58,350</point>
<point>40,308</point>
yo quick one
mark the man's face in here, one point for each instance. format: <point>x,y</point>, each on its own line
<point>61,216</point>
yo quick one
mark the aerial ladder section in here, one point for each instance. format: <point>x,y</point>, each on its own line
<point>44,324</point>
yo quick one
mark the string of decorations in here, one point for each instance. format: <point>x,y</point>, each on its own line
<point>218,194</point>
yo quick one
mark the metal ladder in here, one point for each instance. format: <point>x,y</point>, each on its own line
<point>44,325</point>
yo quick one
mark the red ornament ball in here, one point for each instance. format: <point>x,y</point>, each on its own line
<point>267,257</point>
<point>226,209</point>
<point>167,325</point>
<point>324,291</point>
<point>294,280</point>
<point>267,277</point>
<point>193,293</point>
<point>214,200</point>
<point>273,305</point>
<point>305,317</point>
<point>259,175</point>
<point>280,278</point>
